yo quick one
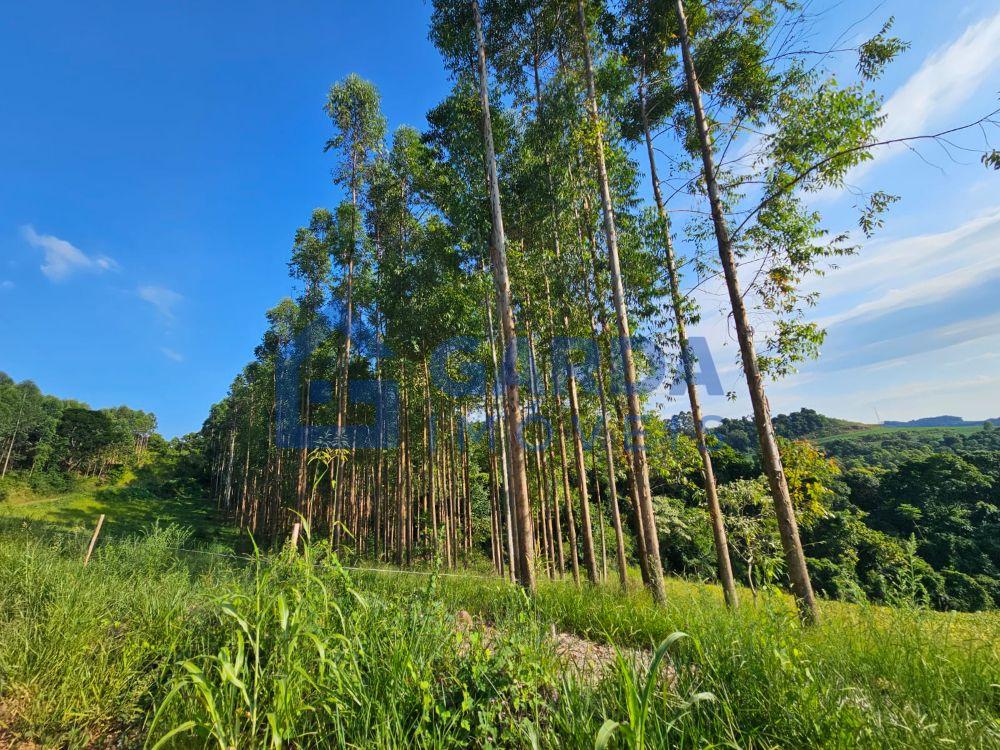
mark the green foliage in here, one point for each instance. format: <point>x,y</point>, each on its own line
<point>48,441</point>
<point>354,108</point>
<point>914,517</point>
<point>639,697</point>
<point>295,651</point>
<point>877,52</point>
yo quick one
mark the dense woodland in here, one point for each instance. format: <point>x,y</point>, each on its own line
<point>46,442</point>
<point>515,219</point>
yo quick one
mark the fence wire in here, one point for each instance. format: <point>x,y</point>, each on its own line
<point>12,527</point>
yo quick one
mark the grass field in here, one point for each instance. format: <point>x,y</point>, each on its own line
<point>127,511</point>
<point>149,646</point>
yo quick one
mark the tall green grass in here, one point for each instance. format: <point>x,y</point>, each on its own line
<point>150,647</point>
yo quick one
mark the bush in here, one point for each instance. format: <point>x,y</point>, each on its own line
<point>834,580</point>
<point>965,593</point>
<point>992,586</point>
<point>50,482</point>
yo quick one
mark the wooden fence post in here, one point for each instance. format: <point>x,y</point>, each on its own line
<point>93,540</point>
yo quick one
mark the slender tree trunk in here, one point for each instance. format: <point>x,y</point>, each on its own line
<point>609,450</point>
<point>402,499</point>
<point>600,517</point>
<point>537,450</point>
<point>724,565</point>
<point>574,553</point>
<point>549,461</point>
<point>491,458</point>
<point>526,542</point>
<point>589,558</point>
<point>466,485</point>
<point>430,446</point>
<point>13,437</point>
<point>638,442</point>
<point>508,501</point>
<point>409,515</point>
<point>795,559</point>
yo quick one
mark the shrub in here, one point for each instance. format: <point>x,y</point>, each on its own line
<point>965,593</point>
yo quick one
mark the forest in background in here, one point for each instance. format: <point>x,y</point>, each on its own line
<point>46,442</point>
<point>887,514</point>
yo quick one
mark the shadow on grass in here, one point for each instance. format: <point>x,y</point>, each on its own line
<point>129,510</point>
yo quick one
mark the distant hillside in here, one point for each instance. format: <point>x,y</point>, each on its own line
<point>945,420</point>
<point>846,439</point>
<point>811,425</point>
<point>804,424</point>
<point>888,447</point>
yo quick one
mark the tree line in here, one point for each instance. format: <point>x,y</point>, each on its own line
<point>516,220</point>
<point>46,441</point>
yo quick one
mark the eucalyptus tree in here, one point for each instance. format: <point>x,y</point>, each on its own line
<point>645,36</point>
<point>651,545</point>
<point>544,232</point>
<point>457,29</point>
<point>457,143</point>
<point>812,130</point>
<point>310,264</point>
<point>354,108</point>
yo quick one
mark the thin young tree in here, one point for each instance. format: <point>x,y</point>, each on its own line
<point>640,464</point>
<point>646,36</point>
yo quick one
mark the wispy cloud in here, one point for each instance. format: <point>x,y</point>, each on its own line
<point>63,259</point>
<point>171,354</point>
<point>913,271</point>
<point>930,98</point>
<point>946,80</point>
<point>161,298</point>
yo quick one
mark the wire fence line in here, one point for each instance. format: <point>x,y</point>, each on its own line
<point>39,531</point>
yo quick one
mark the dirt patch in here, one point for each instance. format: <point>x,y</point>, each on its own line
<point>10,742</point>
<point>11,707</point>
<point>588,661</point>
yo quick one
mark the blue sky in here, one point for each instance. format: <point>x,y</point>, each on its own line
<point>158,158</point>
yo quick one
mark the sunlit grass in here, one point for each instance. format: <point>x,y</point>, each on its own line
<point>298,652</point>
<point>128,510</point>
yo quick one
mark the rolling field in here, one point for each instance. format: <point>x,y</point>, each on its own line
<point>127,510</point>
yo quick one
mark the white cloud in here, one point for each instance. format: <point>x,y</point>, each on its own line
<point>921,293</point>
<point>885,260</point>
<point>912,271</point>
<point>171,354</point>
<point>161,298</point>
<point>946,80</point>
<point>62,259</point>
<point>861,358</point>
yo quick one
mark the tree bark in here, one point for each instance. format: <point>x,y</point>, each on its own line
<point>608,440</point>
<point>725,567</point>
<point>638,442</point>
<point>498,252</point>
<point>795,559</point>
